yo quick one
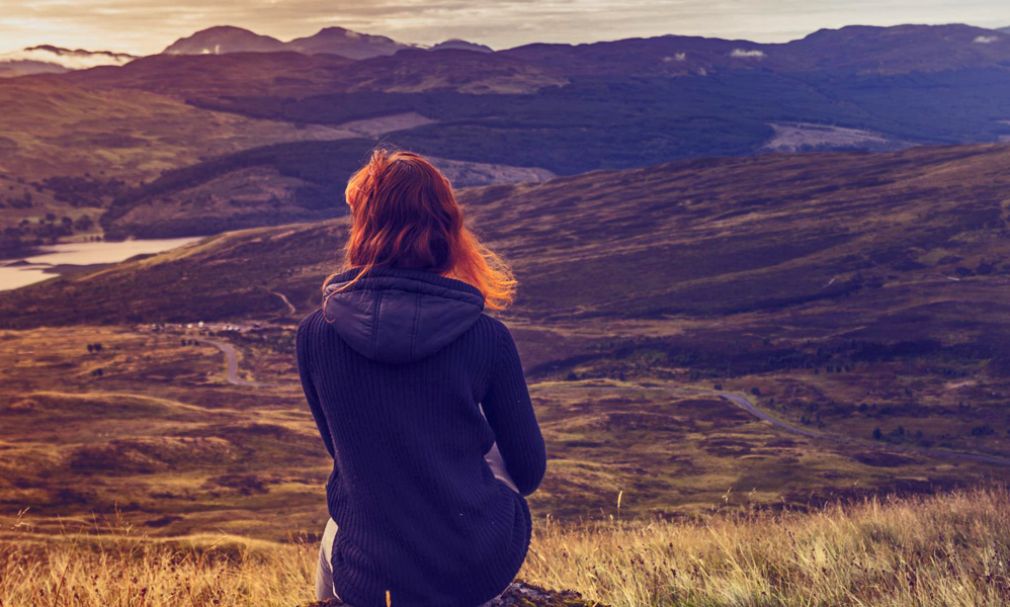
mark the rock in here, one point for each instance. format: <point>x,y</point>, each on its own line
<point>519,594</point>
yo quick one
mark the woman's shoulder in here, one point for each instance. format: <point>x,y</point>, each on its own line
<point>493,324</point>
<point>309,325</point>
<point>497,332</point>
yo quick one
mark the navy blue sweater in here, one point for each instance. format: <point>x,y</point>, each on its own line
<point>393,369</point>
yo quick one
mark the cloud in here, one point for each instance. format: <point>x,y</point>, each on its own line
<point>74,60</point>
<point>747,53</point>
<point>986,39</point>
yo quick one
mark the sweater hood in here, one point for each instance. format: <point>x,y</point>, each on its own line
<point>396,315</point>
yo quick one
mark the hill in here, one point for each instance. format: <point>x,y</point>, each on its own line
<point>295,181</point>
<point>339,41</point>
<point>223,39</point>
<point>758,333</point>
<point>68,151</point>
<point>514,113</point>
<point>762,233</point>
<point>637,102</point>
<point>346,43</point>
<point>777,276</point>
<point>898,49</point>
<point>208,77</point>
<point>461,45</point>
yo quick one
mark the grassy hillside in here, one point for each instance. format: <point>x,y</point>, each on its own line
<point>868,320</point>
<point>947,550</point>
<point>620,121</point>
<point>79,140</point>
<point>67,152</point>
<point>53,129</point>
<point>699,239</point>
<point>273,184</point>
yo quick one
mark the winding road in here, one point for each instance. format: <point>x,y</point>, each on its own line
<point>231,363</point>
<point>287,302</point>
<point>740,401</point>
<point>959,456</point>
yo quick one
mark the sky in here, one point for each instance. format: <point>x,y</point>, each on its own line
<point>147,26</point>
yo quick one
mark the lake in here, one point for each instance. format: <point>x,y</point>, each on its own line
<point>40,267</point>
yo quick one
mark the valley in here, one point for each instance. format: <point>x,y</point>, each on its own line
<point>762,305</point>
<point>257,131</point>
<point>665,314</point>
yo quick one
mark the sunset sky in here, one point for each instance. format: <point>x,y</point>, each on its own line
<point>147,26</point>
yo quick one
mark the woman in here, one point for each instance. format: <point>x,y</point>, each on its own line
<point>420,398</point>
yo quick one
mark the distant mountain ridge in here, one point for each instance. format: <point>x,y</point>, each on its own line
<point>461,45</point>
<point>346,43</point>
<point>333,40</point>
<point>561,108</point>
<point>856,48</point>
<point>863,49</point>
<point>221,40</point>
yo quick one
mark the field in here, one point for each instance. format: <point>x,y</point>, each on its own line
<point>950,550</point>
<point>152,428</point>
<point>151,425</point>
<point>703,340</point>
<point>876,343</point>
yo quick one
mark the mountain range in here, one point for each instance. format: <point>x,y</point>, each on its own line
<point>219,40</point>
<point>535,110</point>
<point>901,48</point>
<point>329,40</point>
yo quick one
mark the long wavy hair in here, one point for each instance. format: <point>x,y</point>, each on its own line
<point>404,214</point>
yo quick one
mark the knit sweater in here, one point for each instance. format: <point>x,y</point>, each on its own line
<point>393,369</point>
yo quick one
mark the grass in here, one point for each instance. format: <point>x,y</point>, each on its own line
<point>949,549</point>
<point>162,437</point>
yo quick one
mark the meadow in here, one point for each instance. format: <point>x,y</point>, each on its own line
<point>872,345</point>
<point>147,422</point>
<point>948,549</point>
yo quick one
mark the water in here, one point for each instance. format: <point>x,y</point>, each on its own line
<point>79,254</point>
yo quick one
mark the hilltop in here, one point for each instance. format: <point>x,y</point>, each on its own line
<point>221,40</point>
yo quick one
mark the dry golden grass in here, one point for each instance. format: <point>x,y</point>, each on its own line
<point>949,550</point>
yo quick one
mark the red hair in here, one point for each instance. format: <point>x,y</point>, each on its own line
<point>404,214</point>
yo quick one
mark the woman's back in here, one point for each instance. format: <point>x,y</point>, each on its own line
<point>395,366</point>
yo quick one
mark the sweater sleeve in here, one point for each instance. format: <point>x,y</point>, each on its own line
<point>510,413</point>
<point>301,349</point>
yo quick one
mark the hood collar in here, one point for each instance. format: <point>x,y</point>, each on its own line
<point>398,315</point>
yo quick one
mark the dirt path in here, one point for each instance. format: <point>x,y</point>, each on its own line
<point>287,302</point>
<point>959,456</point>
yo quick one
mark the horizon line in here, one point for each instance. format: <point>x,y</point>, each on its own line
<point>474,41</point>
